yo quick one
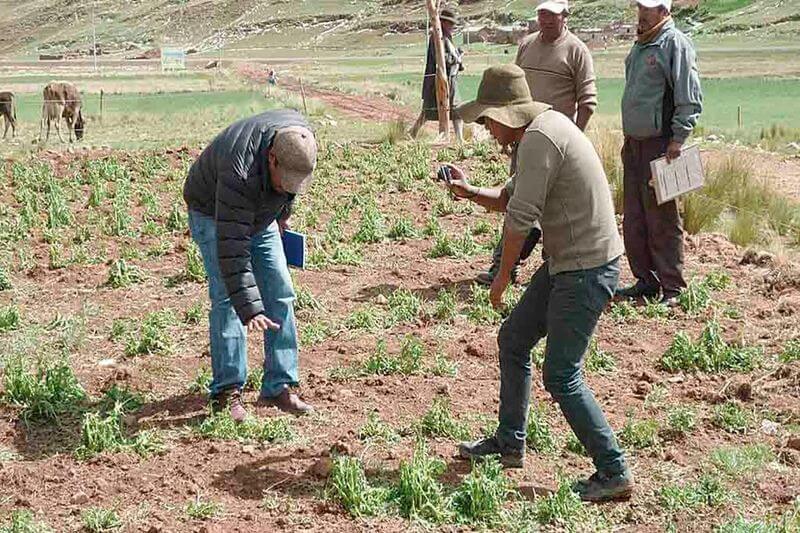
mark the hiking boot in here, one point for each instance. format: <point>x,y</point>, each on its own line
<point>486,278</point>
<point>485,447</point>
<point>288,402</point>
<point>670,299</point>
<point>639,289</point>
<point>232,399</point>
<point>602,488</point>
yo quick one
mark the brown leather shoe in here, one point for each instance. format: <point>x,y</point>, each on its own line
<point>288,402</point>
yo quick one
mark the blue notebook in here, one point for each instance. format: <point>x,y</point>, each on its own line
<point>294,247</point>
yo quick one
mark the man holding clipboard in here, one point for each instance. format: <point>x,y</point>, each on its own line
<point>661,104</point>
<point>239,193</point>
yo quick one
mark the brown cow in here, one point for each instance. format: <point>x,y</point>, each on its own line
<point>62,100</point>
<point>9,111</point>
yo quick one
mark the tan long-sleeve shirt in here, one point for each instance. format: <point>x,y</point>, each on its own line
<point>560,182</point>
<point>560,73</point>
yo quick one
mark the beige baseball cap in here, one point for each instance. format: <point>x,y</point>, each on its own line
<point>295,150</point>
<point>554,6</point>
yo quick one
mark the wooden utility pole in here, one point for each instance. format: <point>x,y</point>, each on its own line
<point>442,85</point>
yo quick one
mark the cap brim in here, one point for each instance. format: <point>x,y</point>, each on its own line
<point>513,116</point>
<point>448,19</point>
<point>650,3</point>
<point>553,7</point>
<point>296,182</point>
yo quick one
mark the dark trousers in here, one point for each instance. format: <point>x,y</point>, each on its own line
<point>564,308</point>
<point>653,233</point>
<point>527,247</point>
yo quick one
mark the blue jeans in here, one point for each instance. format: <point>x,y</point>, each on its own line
<point>227,333</point>
<point>565,308</point>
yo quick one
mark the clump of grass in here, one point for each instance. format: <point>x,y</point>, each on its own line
<point>710,354</point>
<point>446,305</point>
<point>305,299</point>
<point>369,318</point>
<point>574,445</point>
<point>418,493</point>
<point>43,392</point>
<point>177,220</point>
<point>99,520</point>
<point>480,310</point>
<point>438,421</point>
<point>403,228</point>
<point>222,427</point>
<point>202,509</point>
<point>443,367</point>
<point>104,432</point>
<point>562,508</point>
<point>654,309</point>
<point>639,434</point>
<point>623,311</point>
<point>194,314</point>
<point>741,460</point>
<point>124,274</point>
<point>23,521</point>
<point>731,417</point>
<point>695,297</point>
<point>9,318</point>
<point>707,492</point>
<point>153,336</point>
<point>791,352</point>
<point>598,360</point>
<point>5,281</point>
<point>348,485</point>
<point>314,332</point>
<point>202,381</point>
<point>480,497</point>
<point>372,227</point>
<point>540,437</point>
<point>404,306</point>
<point>407,362</point>
<point>195,270</point>
<point>681,421</point>
<point>376,430</point>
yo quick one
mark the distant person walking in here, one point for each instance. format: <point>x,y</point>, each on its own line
<point>239,193</point>
<point>453,65</point>
<point>559,70</point>
<point>661,104</point>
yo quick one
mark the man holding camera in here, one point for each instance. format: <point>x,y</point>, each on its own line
<point>559,183</point>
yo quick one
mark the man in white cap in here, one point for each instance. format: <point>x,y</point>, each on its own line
<point>559,70</point>
<point>661,104</point>
<point>239,193</point>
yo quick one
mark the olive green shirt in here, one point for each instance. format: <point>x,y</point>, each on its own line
<point>560,183</point>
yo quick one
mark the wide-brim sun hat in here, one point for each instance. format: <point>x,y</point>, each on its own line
<point>504,97</point>
<point>449,15</point>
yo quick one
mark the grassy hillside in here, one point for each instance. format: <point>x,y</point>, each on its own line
<point>27,28</point>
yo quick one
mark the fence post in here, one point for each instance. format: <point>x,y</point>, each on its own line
<point>101,106</point>
<point>303,94</point>
<point>739,115</point>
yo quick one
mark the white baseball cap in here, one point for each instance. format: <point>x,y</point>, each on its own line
<point>655,3</point>
<point>554,6</point>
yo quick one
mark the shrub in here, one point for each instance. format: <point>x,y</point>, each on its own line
<point>374,429</point>
<point>123,274</point>
<point>540,437</point>
<point>99,520</point>
<point>639,434</point>
<point>710,354</point>
<point>9,318</point>
<point>681,420</point>
<point>202,510</point>
<point>222,427</point>
<point>741,460</point>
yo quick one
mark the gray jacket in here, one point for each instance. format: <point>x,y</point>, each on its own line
<point>662,95</point>
<point>230,182</point>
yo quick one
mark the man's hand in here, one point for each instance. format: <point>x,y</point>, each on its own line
<point>262,323</point>
<point>673,150</point>
<point>458,185</point>
<point>283,224</point>
<point>499,285</point>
